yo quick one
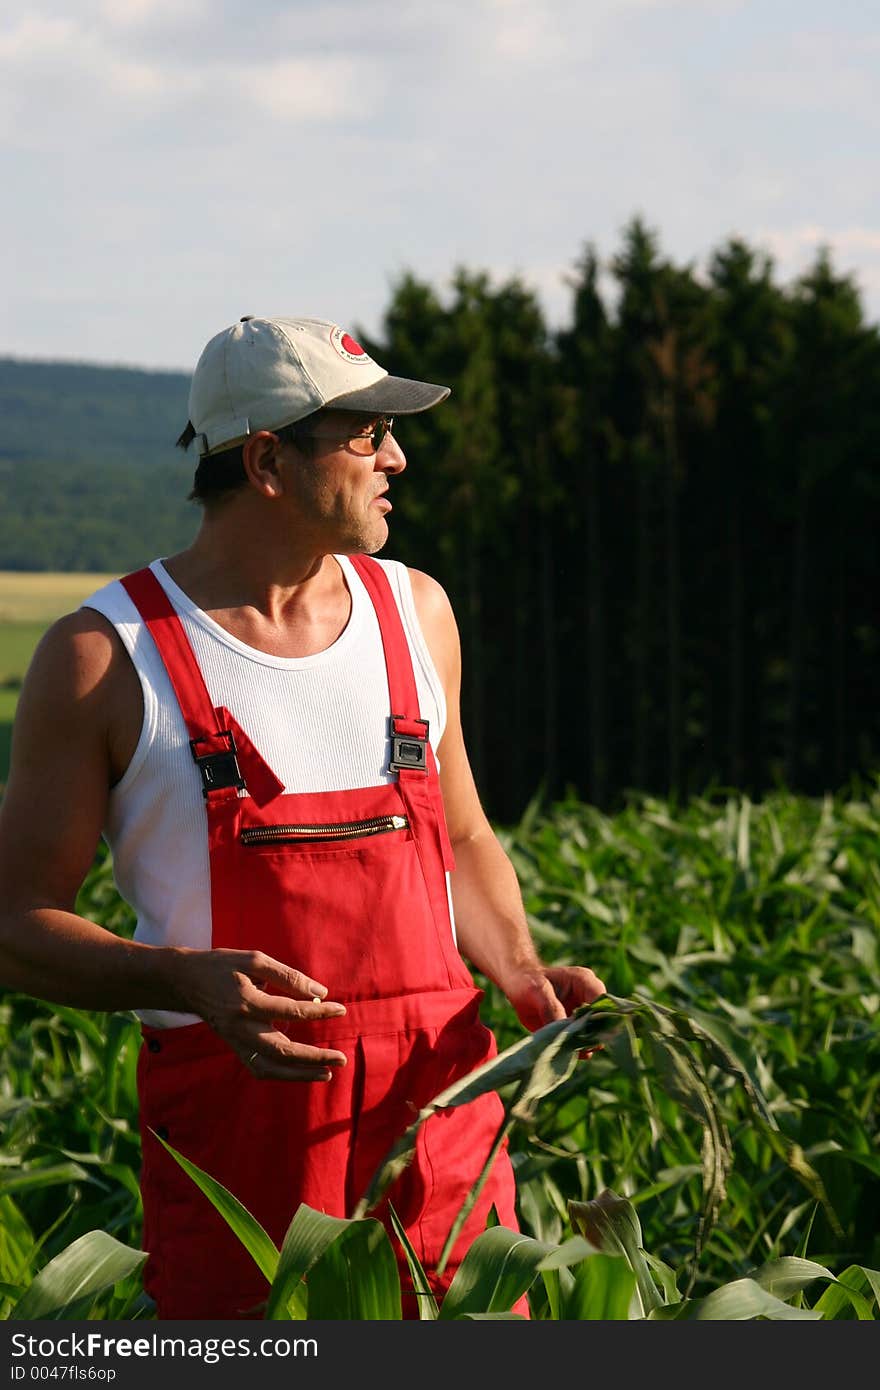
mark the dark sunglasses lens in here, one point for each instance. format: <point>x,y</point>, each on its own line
<point>380,429</point>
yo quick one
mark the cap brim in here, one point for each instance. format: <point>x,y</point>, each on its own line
<point>393,395</point>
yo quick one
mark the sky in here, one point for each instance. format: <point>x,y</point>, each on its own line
<point>169,165</point>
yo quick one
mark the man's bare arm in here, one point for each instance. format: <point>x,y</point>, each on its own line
<point>492,928</point>
<point>72,729</point>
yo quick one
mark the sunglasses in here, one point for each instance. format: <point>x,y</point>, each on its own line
<point>371,438</point>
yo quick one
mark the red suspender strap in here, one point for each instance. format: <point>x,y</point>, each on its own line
<point>225,756</point>
<point>412,755</point>
<point>401,680</point>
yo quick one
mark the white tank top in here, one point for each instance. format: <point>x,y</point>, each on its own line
<point>320,722</point>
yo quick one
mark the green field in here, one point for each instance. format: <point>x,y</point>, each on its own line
<point>17,643</point>
<point>743,1131</point>
<point>28,604</point>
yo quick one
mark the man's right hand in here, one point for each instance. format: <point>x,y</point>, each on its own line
<point>77,723</point>
<point>229,990</point>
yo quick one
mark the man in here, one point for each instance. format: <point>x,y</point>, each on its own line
<point>255,725</point>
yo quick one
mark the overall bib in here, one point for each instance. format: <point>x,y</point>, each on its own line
<point>349,887</point>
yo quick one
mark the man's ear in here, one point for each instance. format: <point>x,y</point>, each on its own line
<point>262,463</point>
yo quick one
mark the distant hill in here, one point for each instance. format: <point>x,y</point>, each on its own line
<point>89,475</point>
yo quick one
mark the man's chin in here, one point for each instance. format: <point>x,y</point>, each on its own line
<point>370,542</point>
<point>376,538</point>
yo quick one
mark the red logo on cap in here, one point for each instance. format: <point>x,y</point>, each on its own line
<point>348,347</point>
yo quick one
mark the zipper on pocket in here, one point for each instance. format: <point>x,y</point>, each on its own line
<point>352,830</point>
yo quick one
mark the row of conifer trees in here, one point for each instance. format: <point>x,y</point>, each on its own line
<point>658,526</point>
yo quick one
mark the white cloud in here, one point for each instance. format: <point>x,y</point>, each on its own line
<point>136,13</point>
<point>298,89</point>
<point>218,158</point>
<point>35,35</point>
<point>102,89</point>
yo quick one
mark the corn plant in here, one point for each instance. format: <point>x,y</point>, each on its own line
<point>756,922</point>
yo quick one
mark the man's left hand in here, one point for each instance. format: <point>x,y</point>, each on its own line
<point>548,992</point>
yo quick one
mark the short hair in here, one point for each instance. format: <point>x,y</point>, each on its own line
<point>219,476</point>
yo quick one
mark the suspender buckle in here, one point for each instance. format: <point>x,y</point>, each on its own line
<point>218,769</point>
<point>409,752</point>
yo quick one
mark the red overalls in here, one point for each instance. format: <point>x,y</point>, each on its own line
<point>349,887</point>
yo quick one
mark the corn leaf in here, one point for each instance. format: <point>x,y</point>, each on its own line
<point>788,1275</point>
<point>609,1222</point>
<point>470,1200</point>
<point>570,1253</point>
<point>248,1229</point>
<point>523,1061</point>
<point>27,1179</point>
<point>308,1236</point>
<point>428,1309</point>
<point>740,1301</point>
<point>665,1276</point>
<point>493,1317</point>
<point>851,1295</point>
<point>603,1290</point>
<point>498,1268</point>
<point>356,1277</point>
<point>67,1285</point>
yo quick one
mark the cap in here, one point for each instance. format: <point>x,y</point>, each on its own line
<point>264,373</point>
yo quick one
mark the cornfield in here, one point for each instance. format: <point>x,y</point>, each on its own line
<point>716,1156</point>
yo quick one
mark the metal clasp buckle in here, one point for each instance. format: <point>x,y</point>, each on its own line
<point>409,752</point>
<point>218,769</point>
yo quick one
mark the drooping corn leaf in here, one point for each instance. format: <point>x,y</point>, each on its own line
<point>788,1275</point>
<point>476,1188</point>
<point>742,1300</point>
<point>553,1065</point>
<point>855,1293</point>
<point>724,1048</point>
<point>36,1175</point>
<point>681,1075</point>
<point>610,1223</point>
<point>585,1028</point>
<point>67,1285</point>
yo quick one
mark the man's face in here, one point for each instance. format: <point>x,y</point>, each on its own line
<point>339,487</point>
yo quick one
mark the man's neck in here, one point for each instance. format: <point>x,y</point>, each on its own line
<point>293,603</point>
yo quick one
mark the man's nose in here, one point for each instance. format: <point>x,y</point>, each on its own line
<point>390,457</point>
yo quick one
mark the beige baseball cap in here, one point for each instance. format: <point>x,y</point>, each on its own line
<point>264,373</point>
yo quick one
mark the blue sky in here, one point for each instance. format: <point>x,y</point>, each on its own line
<point>172,164</point>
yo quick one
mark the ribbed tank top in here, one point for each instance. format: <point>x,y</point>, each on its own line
<point>321,723</point>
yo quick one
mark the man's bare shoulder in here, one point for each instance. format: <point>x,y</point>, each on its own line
<point>430,597</point>
<point>76,722</point>
<point>80,686</point>
<point>438,624</point>
<point>77,655</point>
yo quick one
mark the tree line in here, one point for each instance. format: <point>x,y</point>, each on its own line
<point>657,525</point>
